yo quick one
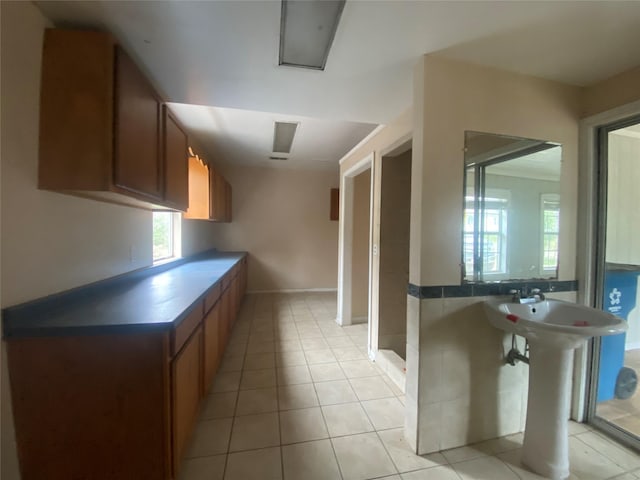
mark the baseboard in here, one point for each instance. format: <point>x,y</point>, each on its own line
<point>394,366</point>
<point>296,290</point>
<point>356,320</point>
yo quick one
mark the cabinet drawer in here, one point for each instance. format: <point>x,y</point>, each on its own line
<point>212,297</point>
<point>184,329</point>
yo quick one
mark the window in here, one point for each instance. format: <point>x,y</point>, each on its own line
<point>550,231</point>
<point>494,226</point>
<point>166,236</point>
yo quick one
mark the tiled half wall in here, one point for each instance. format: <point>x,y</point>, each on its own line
<point>458,388</point>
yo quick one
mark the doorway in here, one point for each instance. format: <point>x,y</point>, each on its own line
<point>355,247</point>
<point>360,248</point>
<point>614,399</point>
<point>395,208</point>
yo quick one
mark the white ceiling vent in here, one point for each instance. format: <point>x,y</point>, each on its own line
<point>283,133</point>
<point>307,28</point>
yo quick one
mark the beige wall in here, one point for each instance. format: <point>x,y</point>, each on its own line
<point>281,217</point>
<point>384,141</point>
<point>612,92</point>
<point>56,241</point>
<point>458,358</point>
<point>395,207</point>
<point>390,136</point>
<point>360,252</point>
<point>53,242</point>
<point>459,97</point>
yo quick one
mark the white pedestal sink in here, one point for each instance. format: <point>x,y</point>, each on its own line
<point>554,329</point>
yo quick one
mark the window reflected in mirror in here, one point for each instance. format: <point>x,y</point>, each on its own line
<point>511,220</point>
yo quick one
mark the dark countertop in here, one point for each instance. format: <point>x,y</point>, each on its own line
<point>155,298</point>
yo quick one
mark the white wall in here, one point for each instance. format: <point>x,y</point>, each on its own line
<point>281,217</point>
<point>623,215</point>
<point>623,198</point>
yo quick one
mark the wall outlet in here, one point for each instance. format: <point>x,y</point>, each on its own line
<point>132,253</point>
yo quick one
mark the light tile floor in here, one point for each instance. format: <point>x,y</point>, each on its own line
<point>297,399</point>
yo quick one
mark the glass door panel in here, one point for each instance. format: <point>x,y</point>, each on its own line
<point>617,359</point>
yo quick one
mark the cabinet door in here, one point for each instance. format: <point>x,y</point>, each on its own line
<point>176,169</point>
<point>211,346</point>
<point>224,320</point>
<point>199,188</point>
<point>137,165</point>
<point>185,393</point>
<point>218,197</point>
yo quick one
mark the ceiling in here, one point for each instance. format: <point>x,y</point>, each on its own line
<point>247,136</point>
<point>224,54</point>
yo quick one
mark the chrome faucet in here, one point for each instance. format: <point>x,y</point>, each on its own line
<point>519,296</point>
<point>537,294</point>
<point>516,295</point>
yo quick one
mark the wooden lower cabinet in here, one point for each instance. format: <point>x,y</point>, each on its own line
<point>92,407</point>
<point>186,392</point>
<point>224,325</point>
<point>212,353</point>
<point>115,406</point>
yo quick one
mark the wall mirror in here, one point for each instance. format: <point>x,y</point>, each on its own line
<point>511,226</point>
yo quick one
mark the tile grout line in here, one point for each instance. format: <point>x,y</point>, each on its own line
<point>233,420</point>
<point>277,398</point>
<point>326,425</point>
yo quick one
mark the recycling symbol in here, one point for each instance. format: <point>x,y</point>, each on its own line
<point>614,296</point>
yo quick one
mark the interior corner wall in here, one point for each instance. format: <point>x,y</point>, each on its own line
<point>197,236</point>
<point>360,252</point>
<point>281,218</point>
<point>613,92</point>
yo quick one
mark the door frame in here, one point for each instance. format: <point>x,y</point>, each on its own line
<point>589,271</point>
<point>345,241</point>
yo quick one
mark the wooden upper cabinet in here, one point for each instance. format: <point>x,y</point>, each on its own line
<point>176,166</point>
<point>209,193</point>
<point>217,197</point>
<point>220,198</point>
<point>199,191</point>
<point>101,125</point>
<point>138,165</point>
<point>76,111</point>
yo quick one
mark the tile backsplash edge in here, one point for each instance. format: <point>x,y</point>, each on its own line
<point>488,289</point>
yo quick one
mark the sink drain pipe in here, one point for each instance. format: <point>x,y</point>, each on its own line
<point>514,356</point>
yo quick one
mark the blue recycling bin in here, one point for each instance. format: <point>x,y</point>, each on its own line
<point>619,298</point>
